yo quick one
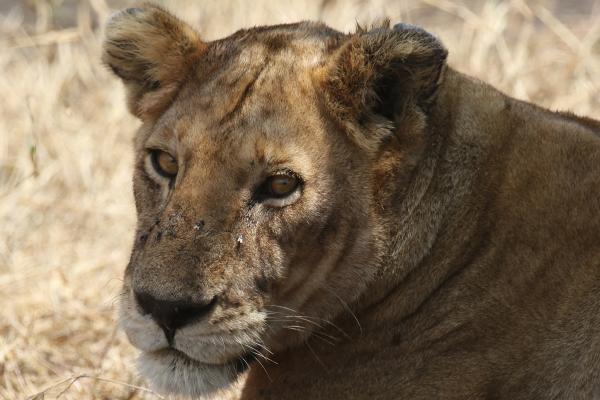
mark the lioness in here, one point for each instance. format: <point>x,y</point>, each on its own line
<point>342,216</point>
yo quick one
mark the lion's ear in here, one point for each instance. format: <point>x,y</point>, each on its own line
<point>383,71</point>
<point>152,51</point>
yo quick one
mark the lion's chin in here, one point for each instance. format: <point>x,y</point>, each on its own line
<point>170,371</point>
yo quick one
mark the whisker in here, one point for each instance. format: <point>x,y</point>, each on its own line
<point>347,307</point>
<point>259,363</point>
<point>262,346</point>
<point>264,357</point>
<point>307,317</point>
<point>330,341</point>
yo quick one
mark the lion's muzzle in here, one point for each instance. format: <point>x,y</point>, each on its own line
<point>172,315</point>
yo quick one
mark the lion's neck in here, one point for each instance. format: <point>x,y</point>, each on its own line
<point>432,229</point>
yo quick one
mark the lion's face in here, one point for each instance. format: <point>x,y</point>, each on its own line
<point>251,219</point>
<point>257,210</point>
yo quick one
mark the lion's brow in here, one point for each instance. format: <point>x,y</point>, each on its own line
<point>245,94</point>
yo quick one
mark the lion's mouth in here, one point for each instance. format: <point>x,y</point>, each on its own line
<point>238,365</point>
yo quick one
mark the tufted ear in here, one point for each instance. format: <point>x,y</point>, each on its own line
<point>384,73</point>
<point>152,51</point>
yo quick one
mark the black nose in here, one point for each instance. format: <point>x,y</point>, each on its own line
<point>172,315</point>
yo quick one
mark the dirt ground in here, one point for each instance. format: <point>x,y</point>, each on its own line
<point>66,207</point>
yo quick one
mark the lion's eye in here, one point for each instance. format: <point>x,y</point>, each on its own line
<point>281,185</point>
<point>280,190</point>
<point>164,163</point>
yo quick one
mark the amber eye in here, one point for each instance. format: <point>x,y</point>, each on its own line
<point>164,163</point>
<point>281,185</point>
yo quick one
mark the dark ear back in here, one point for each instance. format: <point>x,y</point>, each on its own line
<point>383,72</point>
<point>152,51</point>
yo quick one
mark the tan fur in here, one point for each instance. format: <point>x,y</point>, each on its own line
<point>446,243</point>
<point>152,51</point>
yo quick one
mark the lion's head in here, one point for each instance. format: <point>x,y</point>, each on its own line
<point>265,166</point>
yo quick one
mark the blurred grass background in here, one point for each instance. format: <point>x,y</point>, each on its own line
<point>66,207</point>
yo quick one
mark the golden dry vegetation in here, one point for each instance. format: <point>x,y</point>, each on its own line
<point>66,208</point>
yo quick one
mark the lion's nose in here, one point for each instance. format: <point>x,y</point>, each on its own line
<point>172,315</point>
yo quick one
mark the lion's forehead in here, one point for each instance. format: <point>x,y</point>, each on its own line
<point>257,109</point>
<point>255,85</point>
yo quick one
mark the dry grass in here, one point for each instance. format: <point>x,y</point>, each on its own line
<point>66,212</point>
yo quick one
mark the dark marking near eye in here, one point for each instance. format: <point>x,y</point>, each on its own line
<point>143,238</point>
<point>158,236</point>
<point>198,226</point>
<point>154,85</point>
<point>262,284</point>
